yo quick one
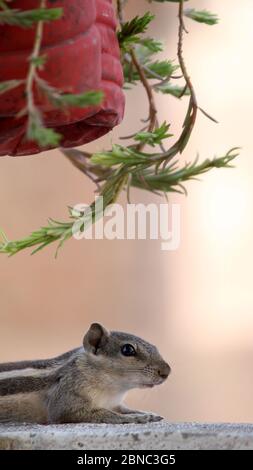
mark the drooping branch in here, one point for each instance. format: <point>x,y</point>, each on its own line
<point>140,164</point>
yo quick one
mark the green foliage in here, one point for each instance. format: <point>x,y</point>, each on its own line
<point>158,69</point>
<point>175,90</point>
<point>9,85</point>
<point>154,138</point>
<point>130,157</point>
<point>39,61</point>
<point>119,155</point>
<point>81,100</point>
<point>157,169</point>
<point>154,69</point>
<point>28,18</point>
<point>47,137</point>
<point>202,16</point>
<point>37,132</point>
<point>130,31</point>
<point>41,238</point>
<point>170,179</point>
<point>61,100</point>
<point>152,45</point>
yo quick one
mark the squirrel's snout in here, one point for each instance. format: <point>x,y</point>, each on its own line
<point>164,371</point>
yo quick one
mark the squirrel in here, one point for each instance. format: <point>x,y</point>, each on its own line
<point>85,385</point>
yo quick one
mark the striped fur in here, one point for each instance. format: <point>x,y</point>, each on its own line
<point>39,364</point>
<point>12,386</point>
<point>30,376</point>
<point>24,386</point>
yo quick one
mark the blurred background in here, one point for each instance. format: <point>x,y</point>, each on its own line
<point>195,304</point>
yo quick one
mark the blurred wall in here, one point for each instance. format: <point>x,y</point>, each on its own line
<point>196,303</point>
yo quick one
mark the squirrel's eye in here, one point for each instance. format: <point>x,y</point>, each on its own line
<point>128,350</point>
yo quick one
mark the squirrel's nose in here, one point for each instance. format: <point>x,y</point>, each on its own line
<point>164,371</point>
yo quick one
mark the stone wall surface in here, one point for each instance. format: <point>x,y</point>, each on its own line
<point>155,436</point>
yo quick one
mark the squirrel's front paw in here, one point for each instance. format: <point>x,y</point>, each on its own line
<point>148,418</point>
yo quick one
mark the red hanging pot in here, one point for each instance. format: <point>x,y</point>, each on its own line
<point>82,54</point>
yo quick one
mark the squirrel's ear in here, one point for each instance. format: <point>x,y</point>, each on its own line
<point>95,337</point>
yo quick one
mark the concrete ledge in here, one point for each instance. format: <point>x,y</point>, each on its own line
<point>153,436</point>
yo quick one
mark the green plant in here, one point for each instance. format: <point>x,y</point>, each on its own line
<point>147,162</point>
